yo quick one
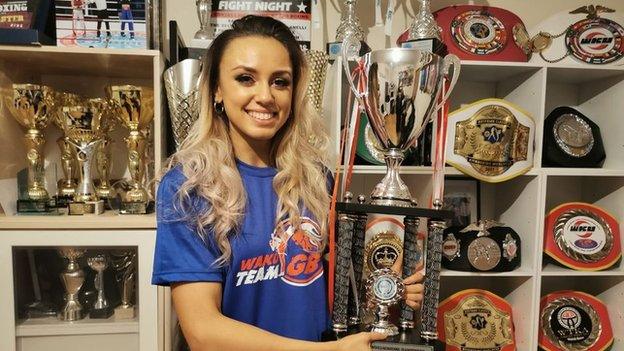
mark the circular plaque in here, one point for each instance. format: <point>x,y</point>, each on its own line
<point>573,135</point>
<point>484,253</point>
<point>583,235</point>
<point>596,40</point>
<point>571,324</point>
<point>478,33</point>
<point>384,287</point>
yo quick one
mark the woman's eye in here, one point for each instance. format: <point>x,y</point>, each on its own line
<point>245,79</point>
<point>282,82</point>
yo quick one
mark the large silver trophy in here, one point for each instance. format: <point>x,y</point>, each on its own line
<point>182,85</point>
<point>400,94</point>
<point>204,8</point>
<point>400,90</point>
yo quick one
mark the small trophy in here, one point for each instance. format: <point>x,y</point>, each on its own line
<point>31,108</point>
<point>182,84</point>
<point>349,27</point>
<point>123,261</point>
<point>66,186</point>
<point>72,278</point>
<point>424,33</point>
<point>85,131</point>
<point>203,37</point>
<point>403,89</point>
<point>135,112</point>
<point>101,308</point>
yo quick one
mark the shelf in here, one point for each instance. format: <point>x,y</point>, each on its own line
<point>520,272</point>
<point>552,270</point>
<point>583,172</point>
<point>419,170</point>
<point>493,71</point>
<point>54,326</point>
<point>107,220</point>
<point>570,74</point>
<point>51,60</point>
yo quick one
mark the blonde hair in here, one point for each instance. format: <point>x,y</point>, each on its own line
<point>207,160</point>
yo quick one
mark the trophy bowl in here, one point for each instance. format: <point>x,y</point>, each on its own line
<point>400,89</point>
<point>182,85</point>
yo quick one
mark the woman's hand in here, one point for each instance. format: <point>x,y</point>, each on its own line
<point>414,290</point>
<point>358,342</point>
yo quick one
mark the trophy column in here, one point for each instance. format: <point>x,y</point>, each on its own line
<point>429,310</point>
<point>410,260</point>
<point>343,265</point>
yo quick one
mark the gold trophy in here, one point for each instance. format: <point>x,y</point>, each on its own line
<point>67,185</point>
<point>31,107</point>
<point>86,125</point>
<point>103,157</point>
<point>134,110</point>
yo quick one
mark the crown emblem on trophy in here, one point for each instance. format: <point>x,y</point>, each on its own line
<point>385,257</point>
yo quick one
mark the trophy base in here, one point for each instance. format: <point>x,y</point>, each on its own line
<point>86,208</point>
<point>100,313</point>
<point>136,207</point>
<point>63,201</point>
<point>35,206</point>
<point>40,309</point>
<point>124,312</point>
<point>430,45</point>
<point>406,340</point>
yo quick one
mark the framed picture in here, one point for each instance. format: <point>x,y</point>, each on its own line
<point>462,196</point>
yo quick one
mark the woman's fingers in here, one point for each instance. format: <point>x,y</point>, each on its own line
<point>374,336</point>
<point>414,289</point>
<point>413,279</point>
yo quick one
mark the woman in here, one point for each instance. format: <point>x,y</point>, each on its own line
<point>242,210</point>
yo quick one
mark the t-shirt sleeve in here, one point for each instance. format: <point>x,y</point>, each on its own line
<point>180,254</point>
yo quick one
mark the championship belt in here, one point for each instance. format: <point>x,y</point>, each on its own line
<point>583,237</point>
<point>368,147</point>
<point>491,140</point>
<point>476,319</point>
<point>573,321</point>
<point>571,140</point>
<point>487,246</point>
<point>482,33</point>
<point>589,36</point>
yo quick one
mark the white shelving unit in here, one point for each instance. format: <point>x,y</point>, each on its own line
<point>86,72</point>
<point>524,201</point>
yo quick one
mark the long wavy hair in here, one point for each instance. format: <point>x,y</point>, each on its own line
<point>206,156</point>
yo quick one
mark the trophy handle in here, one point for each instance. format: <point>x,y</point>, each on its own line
<point>451,73</point>
<point>351,49</point>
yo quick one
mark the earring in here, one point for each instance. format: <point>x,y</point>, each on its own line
<point>218,107</point>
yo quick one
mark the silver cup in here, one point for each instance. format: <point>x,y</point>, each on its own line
<point>349,23</point>
<point>182,85</point>
<point>424,25</point>
<point>204,8</point>
<point>101,308</point>
<point>400,91</point>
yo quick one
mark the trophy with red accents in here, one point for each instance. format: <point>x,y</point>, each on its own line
<point>583,237</point>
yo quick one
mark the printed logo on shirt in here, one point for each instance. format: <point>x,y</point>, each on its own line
<point>296,257</point>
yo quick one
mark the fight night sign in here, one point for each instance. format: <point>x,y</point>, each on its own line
<point>296,14</point>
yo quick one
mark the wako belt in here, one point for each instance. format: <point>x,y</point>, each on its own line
<point>571,140</point>
<point>582,236</point>
<point>573,321</point>
<point>476,320</point>
<point>491,140</point>
<point>482,33</point>
<point>486,247</point>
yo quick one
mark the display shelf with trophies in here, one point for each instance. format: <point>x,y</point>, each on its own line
<point>78,288</point>
<point>102,104</point>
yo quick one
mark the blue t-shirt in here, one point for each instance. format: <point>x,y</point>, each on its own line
<point>275,279</point>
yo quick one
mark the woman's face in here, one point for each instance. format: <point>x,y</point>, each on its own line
<point>256,87</point>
